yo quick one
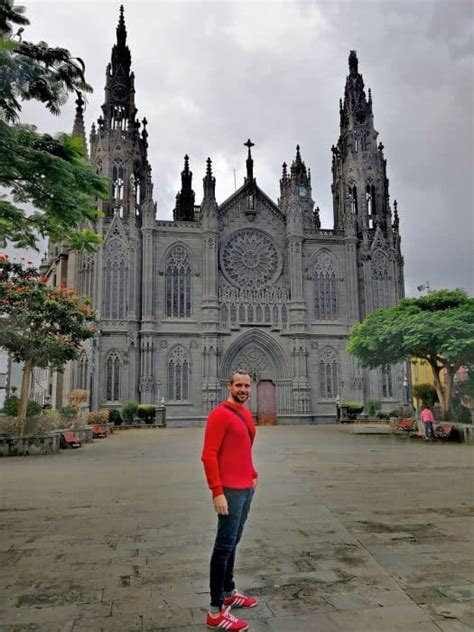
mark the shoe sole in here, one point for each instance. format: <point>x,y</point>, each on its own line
<point>215,627</point>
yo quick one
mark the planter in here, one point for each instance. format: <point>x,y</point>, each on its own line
<point>29,445</point>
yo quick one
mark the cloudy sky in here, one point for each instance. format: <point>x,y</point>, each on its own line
<point>209,75</point>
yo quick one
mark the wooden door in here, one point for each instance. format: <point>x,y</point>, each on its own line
<point>266,403</point>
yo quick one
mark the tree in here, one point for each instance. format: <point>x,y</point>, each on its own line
<point>437,327</point>
<point>40,325</point>
<point>50,173</point>
<point>426,393</point>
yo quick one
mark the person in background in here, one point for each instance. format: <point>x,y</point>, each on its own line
<point>428,420</point>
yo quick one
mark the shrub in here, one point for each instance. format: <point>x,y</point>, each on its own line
<point>115,417</point>
<point>129,410</point>
<point>147,413</point>
<point>78,397</point>
<point>69,411</point>
<point>10,407</point>
<point>373,407</point>
<point>98,416</point>
<point>354,408</point>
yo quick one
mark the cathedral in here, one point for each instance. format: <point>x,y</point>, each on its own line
<point>245,283</point>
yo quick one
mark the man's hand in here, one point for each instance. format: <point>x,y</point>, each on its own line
<point>255,483</point>
<point>220,505</point>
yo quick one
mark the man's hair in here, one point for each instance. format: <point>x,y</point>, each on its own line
<point>238,372</point>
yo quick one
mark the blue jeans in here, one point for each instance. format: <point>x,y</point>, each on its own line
<point>429,430</point>
<point>229,532</point>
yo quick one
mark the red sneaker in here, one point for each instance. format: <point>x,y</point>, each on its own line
<point>226,621</point>
<point>240,601</point>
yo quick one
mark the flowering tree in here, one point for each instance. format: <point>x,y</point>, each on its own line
<point>40,325</point>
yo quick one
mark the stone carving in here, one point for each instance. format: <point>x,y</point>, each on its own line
<point>249,258</point>
<point>253,360</point>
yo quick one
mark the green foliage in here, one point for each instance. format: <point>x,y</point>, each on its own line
<point>129,410</point>
<point>51,174</point>
<point>69,411</point>
<point>437,326</point>
<point>147,413</point>
<point>426,393</point>
<point>40,323</point>
<point>11,404</point>
<point>355,407</point>
<point>373,407</point>
<point>115,417</point>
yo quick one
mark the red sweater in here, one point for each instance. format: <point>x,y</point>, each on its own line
<point>227,451</point>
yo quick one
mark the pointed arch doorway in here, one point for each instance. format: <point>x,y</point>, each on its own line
<point>260,355</point>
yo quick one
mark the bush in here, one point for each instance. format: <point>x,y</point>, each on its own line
<point>354,408</point>
<point>129,410</point>
<point>373,407</point>
<point>115,417</point>
<point>98,416</point>
<point>35,425</point>
<point>11,404</point>
<point>69,411</point>
<point>147,413</point>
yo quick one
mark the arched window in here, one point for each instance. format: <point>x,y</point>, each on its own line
<point>352,191</point>
<point>118,179</point>
<point>178,374</point>
<point>328,374</point>
<point>387,385</point>
<point>380,280</point>
<point>325,288</point>
<point>112,378</point>
<point>115,281</point>
<point>178,283</point>
<point>86,274</point>
<point>82,375</point>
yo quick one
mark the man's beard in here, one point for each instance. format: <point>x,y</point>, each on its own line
<point>240,398</point>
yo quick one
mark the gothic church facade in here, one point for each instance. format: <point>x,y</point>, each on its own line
<point>247,283</point>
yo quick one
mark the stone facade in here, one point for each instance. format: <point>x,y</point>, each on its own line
<point>245,283</point>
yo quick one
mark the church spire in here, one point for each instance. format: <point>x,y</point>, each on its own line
<point>119,107</point>
<point>209,182</point>
<point>184,210</point>
<point>360,183</point>
<point>78,129</point>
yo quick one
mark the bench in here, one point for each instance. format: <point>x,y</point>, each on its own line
<point>408,425</point>
<point>70,440</point>
<point>98,431</point>
<point>443,431</point>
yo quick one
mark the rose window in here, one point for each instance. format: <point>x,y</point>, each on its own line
<point>249,258</point>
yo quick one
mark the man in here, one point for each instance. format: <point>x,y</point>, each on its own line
<point>232,478</point>
<point>428,420</point>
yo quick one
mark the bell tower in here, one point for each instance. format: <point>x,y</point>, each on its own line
<point>119,142</point>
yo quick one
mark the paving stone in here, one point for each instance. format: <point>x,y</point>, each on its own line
<point>338,539</point>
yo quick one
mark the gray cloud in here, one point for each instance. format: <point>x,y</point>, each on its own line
<point>209,75</point>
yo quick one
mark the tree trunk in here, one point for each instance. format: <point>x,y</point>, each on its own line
<point>448,392</point>
<point>25,387</point>
<point>439,389</point>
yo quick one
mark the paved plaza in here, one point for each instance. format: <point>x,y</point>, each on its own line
<point>347,533</point>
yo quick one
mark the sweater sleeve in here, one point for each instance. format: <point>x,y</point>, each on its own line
<point>213,437</point>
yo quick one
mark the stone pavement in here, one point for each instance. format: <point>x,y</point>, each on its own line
<point>347,533</point>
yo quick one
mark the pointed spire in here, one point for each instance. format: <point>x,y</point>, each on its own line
<point>353,63</point>
<point>184,210</point>
<point>250,177</point>
<point>121,29</point>
<point>209,181</point>
<point>298,168</point>
<point>78,128</point>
